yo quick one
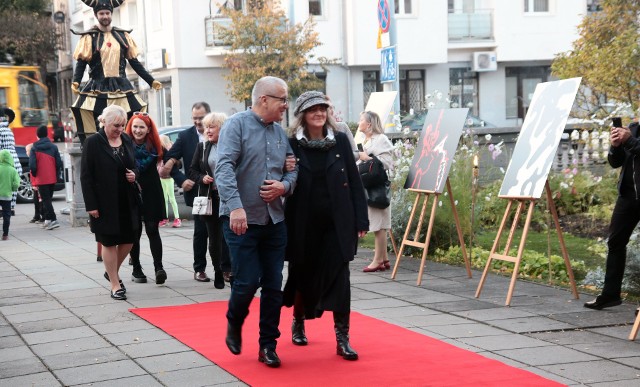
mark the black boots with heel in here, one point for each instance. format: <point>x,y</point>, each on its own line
<point>341,326</point>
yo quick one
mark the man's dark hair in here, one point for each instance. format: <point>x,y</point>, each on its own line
<point>42,131</point>
<point>202,104</point>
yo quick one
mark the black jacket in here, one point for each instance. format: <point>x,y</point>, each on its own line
<point>198,170</point>
<point>184,148</point>
<point>618,156</point>
<point>348,201</point>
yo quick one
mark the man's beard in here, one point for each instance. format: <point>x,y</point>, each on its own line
<point>104,22</point>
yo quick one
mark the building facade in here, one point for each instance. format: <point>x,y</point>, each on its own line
<point>487,55</point>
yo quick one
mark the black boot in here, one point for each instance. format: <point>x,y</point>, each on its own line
<point>137,274</point>
<point>341,326</point>
<point>218,279</point>
<point>298,336</point>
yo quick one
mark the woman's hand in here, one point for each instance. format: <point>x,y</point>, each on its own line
<point>361,234</point>
<point>94,214</point>
<point>131,176</point>
<point>207,179</point>
<point>364,156</point>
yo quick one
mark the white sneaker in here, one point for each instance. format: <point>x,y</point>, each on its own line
<point>53,224</point>
<point>46,223</point>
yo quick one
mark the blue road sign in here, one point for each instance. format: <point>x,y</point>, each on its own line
<point>388,64</point>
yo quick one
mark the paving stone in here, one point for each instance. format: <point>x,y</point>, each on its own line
<point>379,303</point>
<point>80,358</point>
<point>633,361</point>
<point>98,372</point>
<point>203,376</point>
<point>15,353</point>
<point>569,337</point>
<point>508,341</point>
<point>154,348</point>
<point>133,337</point>
<point>461,305</point>
<point>465,330</point>
<point>594,371</point>
<point>40,306</point>
<point>10,341</point>
<point>9,369</point>
<point>608,351</point>
<point>38,316</point>
<point>121,326</point>
<point>619,383</point>
<point>41,379</point>
<point>49,325</point>
<point>530,324</point>
<point>76,345</point>
<point>59,335</point>
<point>538,356</point>
<point>173,361</point>
<point>6,330</point>
<point>138,381</point>
<point>492,313</point>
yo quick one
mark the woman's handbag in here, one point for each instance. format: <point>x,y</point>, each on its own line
<point>379,196</point>
<point>372,172</point>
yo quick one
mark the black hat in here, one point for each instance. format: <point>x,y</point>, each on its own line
<point>99,5</point>
<point>7,114</point>
<point>42,131</point>
<point>310,99</point>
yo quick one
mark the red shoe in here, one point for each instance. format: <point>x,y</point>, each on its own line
<point>163,222</point>
<point>387,264</point>
<point>368,269</point>
<point>177,223</point>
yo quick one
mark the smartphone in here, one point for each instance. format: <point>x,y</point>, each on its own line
<point>616,122</point>
<point>360,148</point>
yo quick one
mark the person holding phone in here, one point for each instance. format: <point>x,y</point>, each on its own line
<point>107,174</point>
<point>624,153</point>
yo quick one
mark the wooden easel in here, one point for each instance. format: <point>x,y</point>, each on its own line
<point>522,202</point>
<point>425,244</point>
<point>634,330</point>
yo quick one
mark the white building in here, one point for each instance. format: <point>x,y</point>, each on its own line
<point>486,54</point>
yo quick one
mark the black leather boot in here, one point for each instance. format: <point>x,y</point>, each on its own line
<point>298,336</point>
<point>341,326</point>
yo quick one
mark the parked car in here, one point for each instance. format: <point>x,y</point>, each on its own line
<point>173,131</point>
<point>25,190</point>
<point>415,122</point>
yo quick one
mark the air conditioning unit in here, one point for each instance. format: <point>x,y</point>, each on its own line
<point>485,61</point>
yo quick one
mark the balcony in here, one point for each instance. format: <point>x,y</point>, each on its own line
<point>474,26</point>
<point>212,27</point>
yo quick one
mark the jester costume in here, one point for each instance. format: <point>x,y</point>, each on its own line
<point>106,53</point>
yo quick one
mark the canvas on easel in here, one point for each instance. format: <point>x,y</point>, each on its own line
<point>428,176</point>
<point>381,103</point>
<point>528,170</point>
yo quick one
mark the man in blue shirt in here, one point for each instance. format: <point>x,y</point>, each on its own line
<point>252,181</point>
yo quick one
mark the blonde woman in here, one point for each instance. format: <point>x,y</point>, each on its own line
<point>377,144</point>
<point>168,185</point>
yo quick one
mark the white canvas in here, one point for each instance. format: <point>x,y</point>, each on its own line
<point>381,103</point>
<point>539,138</point>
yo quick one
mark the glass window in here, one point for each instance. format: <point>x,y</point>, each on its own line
<point>370,84</point>
<point>521,82</point>
<point>32,100</point>
<point>463,89</point>
<point>403,7</point>
<point>315,7</point>
<point>411,90</point>
<point>536,5</point>
<point>3,97</point>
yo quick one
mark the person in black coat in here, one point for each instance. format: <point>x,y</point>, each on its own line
<point>107,175</point>
<point>184,148</point>
<point>201,171</point>
<point>325,216</point>
<point>148,150</point>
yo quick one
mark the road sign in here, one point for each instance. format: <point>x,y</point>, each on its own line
<point>388,64</point>
<point>384,15</point>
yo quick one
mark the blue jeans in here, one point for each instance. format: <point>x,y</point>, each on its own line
<point>257,260</point>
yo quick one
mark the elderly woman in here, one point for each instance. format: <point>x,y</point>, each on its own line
<point>148,151</point>
<point>377,144</point>
<point>201,171</point>
<point>107,176</point>
<point>325,216</point>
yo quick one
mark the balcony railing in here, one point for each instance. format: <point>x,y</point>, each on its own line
<point>212,26</point>
<point>477,25</point>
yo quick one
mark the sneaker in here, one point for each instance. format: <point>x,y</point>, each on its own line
<point>5,237</point>
<point>163,222</point>
<point>39,221</point>
<point>177,223</point>
<point>34,220</point>
<point>46,223</point>
<point>53,224</point>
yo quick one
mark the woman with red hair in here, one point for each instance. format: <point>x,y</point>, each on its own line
<point>148,151</point>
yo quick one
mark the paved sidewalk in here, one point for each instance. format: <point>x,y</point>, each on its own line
<point>58,325</point>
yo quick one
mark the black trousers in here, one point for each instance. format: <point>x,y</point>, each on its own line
<point>199,244</point>
<point>46,193</point>
<point>155,245</point>
<point>625,218</point>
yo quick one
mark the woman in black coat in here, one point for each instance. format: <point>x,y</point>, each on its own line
<point>148,150</point>
<point>325,216</point>
<point>201,172</point>
<point>107,175</point>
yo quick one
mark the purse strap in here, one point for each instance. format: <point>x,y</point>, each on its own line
<point>203,161</point>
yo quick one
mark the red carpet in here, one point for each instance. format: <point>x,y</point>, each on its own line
<point>389,355</point>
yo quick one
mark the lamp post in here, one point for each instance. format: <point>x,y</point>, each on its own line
<point>474,191</point>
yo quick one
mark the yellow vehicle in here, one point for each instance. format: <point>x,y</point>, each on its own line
<point>22,91</point>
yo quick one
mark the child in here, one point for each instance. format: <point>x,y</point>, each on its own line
<point>168,188</point>
<point>9,183</point>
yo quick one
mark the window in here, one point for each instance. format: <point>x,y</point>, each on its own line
<point>370,84</point>
<point>536,5</point>
<point>315,7</point>
<point>403,7</point>
<point>411,90</point>
<point>3,97</point>
<point>165,113</point>
<point>463,89</point>
<point>461,6</point>
<point>521,82</point>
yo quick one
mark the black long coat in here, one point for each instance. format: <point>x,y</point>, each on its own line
<point>152,194</point>
<point>348,201</point>
<point>99,175</point>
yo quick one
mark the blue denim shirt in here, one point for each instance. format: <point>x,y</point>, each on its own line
<point>250,152</point>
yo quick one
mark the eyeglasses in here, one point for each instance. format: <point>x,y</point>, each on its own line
<point>197,118</point>
<point>144,114</point>
<point>283,100</point>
